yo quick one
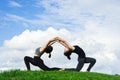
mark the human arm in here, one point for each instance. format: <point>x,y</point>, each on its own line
<point>49,43</point>
<point>64,43</point>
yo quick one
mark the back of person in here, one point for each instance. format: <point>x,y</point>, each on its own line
<point>79,51</point>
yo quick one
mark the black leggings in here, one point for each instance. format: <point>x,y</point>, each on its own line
<point>81,62</point>
<point>36,61</point>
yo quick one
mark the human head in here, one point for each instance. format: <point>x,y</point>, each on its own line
<point>67,53</point>
<point>49,49</point>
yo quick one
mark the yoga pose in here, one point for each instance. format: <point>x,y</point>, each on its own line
<point>37,61</point>
<point>81,55</point>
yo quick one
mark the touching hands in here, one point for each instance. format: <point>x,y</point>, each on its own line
<point>58,39</point>
<point>55,39</point>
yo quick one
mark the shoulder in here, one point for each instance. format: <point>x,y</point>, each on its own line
<point>39,49</point>
<point>76,46</point>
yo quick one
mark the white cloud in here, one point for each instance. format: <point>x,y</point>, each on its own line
<point>94,25</point>
<point>14,4</point>
<point>25,44</point>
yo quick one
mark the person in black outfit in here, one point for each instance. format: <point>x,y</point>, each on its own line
<point>37,61</point>
<point>81,55</point>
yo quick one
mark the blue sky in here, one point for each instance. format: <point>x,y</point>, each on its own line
<point>19,8</point>
<point>28,10</point>
<point>11,12</point>
<point>92,24</point>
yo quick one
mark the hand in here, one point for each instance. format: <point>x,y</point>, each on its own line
<point>58,39</point>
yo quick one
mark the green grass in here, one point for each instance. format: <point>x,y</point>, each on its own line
<point>55,75</point>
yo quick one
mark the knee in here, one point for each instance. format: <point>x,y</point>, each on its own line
<point>26,58</point>
<point>41,61</point>
<point>94,60</point>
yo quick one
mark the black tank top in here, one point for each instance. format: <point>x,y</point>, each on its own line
<point>79,51</point>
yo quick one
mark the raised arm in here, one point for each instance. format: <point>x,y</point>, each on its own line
<point>64,43</point>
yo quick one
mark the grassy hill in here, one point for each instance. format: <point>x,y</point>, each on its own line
<point>55,75</point>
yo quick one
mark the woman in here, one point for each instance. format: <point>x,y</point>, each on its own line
<point>37,61</point>
<point>79,51</point>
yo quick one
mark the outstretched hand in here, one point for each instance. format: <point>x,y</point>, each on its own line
<point>58,39</point>
<point>55,39</point>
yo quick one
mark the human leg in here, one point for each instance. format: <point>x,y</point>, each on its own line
<point>44,67</point>
<point>70,69</point>
<point>36,61</point>
<point>27,61</point>
<point>92,61</point>
<point>80,64</point>
<point>40,64</point>
<point>55,68</point>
